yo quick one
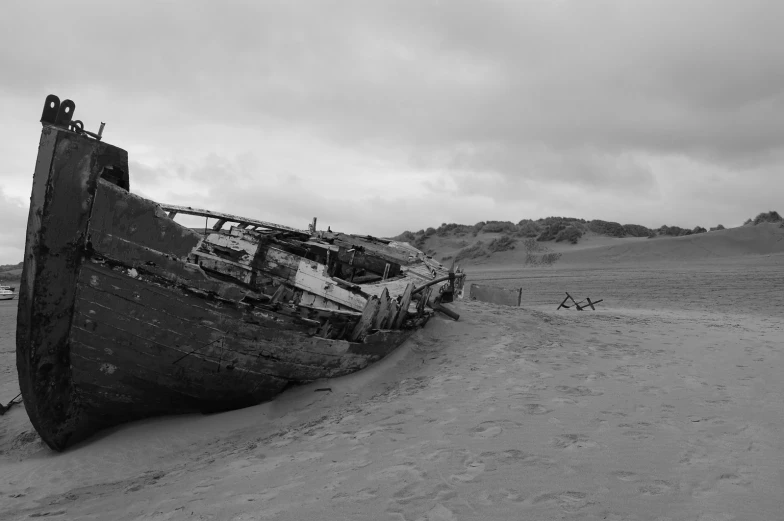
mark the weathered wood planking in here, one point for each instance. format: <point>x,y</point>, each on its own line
<point>148,315</point>
<point>125,313</point>
<point>121,214</point>
<point>66,176</point>
<point>311,277</point>
<point>394,287</point>
<point>494,295</point>
<point>176,331</point>
<point>238,248</point>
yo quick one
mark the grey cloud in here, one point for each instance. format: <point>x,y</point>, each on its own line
<point>699,77</point>
<point>493,98</point>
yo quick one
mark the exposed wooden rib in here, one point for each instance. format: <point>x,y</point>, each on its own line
<point>229,218</point>
<point>368,317</point>
<point>389,322</point>
<point>383,310</point>
<point>405,300</point>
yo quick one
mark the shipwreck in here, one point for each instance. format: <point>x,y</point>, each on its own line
<point>124,313</point>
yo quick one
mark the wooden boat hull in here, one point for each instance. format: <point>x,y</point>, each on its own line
<point>125,314</point>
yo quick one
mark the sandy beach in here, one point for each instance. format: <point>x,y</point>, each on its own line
<point>664,404</point>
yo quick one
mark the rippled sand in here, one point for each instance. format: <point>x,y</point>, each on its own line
<point>667,403</point>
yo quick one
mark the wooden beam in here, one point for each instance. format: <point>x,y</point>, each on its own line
<point>187,210</point>
<point>218,225</point>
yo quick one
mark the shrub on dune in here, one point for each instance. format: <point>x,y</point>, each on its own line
<point>504,243</point>
<point>551,231</point>
<point>528,228</point>
<point>769,217</point>
<point>471,252</point>
<point>499,227</point>
<point>636,230</point>
<point>571,233</point>
<point>612,229</point>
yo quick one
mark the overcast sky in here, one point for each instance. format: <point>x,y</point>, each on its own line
<point>378,117</point>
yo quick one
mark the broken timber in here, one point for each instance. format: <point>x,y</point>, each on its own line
<point>124,313</point>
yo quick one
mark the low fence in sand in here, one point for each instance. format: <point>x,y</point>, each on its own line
<point>493,295</point>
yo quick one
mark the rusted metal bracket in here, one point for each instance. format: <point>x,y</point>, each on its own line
<point>60,114</point>
<point>51,107</point>
<point>56,112</point>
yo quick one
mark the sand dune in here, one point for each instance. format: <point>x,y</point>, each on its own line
<point>665,404</point>
<point>747,240</point>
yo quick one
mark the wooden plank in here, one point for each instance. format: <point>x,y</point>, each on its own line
<point>191,371</point>
<point>310,276</point>
<point>158,351</point>
<point>366,321</point>
<point>383,310</point>
<point>140,221</point>
<point>97,311</point>
<point>237,248</point>
<point>241,274</point>
<point>395,287</point>
<point>277,262</point>
<point>389,321</point>
<point>161,394</point>
<point>266,330</point>
<point>402,313</point>
<point>176,302</point>
<point>380,343</point>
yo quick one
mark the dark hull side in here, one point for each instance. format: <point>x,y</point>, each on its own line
<point>114,324</point>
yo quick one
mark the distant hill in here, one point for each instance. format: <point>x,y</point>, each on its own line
<point>10,272</point>
<point>568,239</point>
